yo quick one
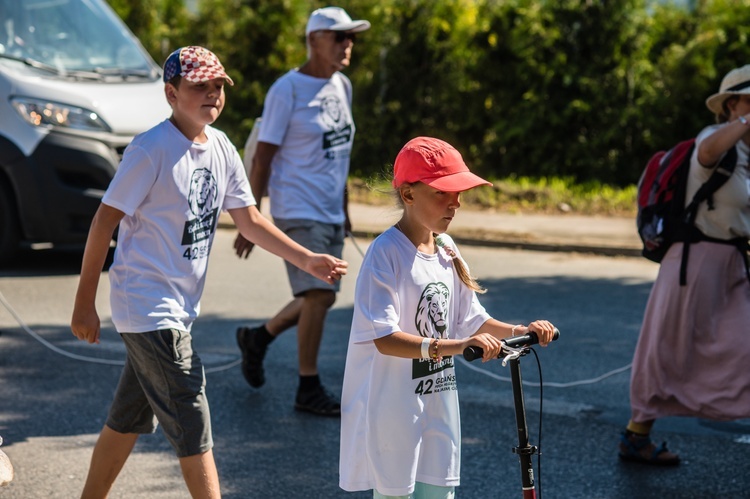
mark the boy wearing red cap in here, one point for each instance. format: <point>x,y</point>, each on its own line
<point>166,197</point>
<point>415,308</point>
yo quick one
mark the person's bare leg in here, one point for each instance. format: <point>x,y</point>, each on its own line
<point>641,428</point>
<point>200,475</point>
<point>110,453</point>
<point>310,328</point>
<point>285,318</point>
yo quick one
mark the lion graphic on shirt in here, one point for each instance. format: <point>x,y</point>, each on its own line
<point>332,113</point>
<point>432,311</point>
<point>202,196</point>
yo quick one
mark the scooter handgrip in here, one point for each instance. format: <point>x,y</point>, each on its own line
<point>473,353</point>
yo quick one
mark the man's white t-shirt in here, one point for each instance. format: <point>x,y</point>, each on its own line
<point>399,417</point>
<point>310,120</point>
<point>171,191</point>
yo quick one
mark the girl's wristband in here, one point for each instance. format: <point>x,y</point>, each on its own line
<point>513,330</point>
<point>425,348</point>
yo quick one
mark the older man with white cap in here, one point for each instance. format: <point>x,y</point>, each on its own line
<point>302,160</point>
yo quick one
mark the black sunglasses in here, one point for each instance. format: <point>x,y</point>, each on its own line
<point>340,36</point>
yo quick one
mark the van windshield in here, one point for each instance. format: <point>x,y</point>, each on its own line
<point>71,36</point>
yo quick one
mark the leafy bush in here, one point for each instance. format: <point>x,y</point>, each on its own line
<point>569,89</point>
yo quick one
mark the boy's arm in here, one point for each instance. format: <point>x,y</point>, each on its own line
<point>259,230</point>
<point>85,321</point>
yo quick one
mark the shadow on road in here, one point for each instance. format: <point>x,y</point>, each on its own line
<point>48,262</point>
<point>266,449</point>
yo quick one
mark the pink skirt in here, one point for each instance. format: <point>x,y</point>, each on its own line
<point>693,352</point>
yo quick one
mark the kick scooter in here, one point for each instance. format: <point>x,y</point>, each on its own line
<point>513,349</point>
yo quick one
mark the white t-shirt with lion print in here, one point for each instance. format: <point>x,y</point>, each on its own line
<point>171,190</point>
<point>399,417</point>
<point>310,119</point>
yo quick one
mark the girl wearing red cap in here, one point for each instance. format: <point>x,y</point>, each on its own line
<point>415,308</point>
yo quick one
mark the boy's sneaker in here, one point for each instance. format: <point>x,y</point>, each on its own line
<point>252,356</point>
<point>318,401</point>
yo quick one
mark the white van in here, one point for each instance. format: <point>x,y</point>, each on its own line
<point>75,87</point>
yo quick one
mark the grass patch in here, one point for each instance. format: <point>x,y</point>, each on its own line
<point>523,195</point>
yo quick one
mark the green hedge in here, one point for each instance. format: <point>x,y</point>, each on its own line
<point>578,89</point>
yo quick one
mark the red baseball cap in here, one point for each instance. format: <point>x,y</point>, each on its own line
<point>435,163</point>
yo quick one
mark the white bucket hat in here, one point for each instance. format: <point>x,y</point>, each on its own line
<point>334,19</point>
<point>736,82</point>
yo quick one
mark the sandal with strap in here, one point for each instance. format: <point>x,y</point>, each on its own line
<point>640,449</point>
<point>318,401</point>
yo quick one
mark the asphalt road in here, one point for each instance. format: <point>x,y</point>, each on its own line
<point>53,406</point>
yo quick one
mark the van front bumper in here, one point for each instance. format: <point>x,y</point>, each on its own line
<point>59,187</point>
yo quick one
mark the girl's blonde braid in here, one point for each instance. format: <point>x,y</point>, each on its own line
<point>460,266</point>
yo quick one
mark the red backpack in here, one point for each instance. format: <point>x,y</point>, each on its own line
<point>662,216</point>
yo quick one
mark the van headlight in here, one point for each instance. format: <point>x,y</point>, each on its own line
<point>45,113</point>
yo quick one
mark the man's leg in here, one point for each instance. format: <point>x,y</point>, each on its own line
<point>308,313</point>
<point>311,395</point>
<point>110,453</point>
<point>200,475</point>
<point>285,318</point>
<point>310,328</point>
<point>253,342</point>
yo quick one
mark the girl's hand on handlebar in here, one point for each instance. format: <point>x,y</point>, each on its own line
<point>545,330</point>
<point>491,346</point>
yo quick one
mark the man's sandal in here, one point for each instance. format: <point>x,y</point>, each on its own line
<point>640,449</point>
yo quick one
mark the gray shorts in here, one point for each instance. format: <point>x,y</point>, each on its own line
<point>318,237</point>
<point>163,382</point>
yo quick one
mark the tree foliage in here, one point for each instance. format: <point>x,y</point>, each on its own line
<point>584,89</point>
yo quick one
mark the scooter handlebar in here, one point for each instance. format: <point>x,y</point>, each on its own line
<point>525,340</point>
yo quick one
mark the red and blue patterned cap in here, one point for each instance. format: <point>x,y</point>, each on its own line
<point>194,64</point>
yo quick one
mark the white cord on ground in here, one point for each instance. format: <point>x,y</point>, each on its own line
<point>119,362</point>
<point>546,383</point>
<point>84,358</point>
<point>236,362</point>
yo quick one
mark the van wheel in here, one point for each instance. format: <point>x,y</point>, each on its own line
<point>9,233</point>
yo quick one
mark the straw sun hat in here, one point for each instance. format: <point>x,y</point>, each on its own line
<point>736,82</point>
